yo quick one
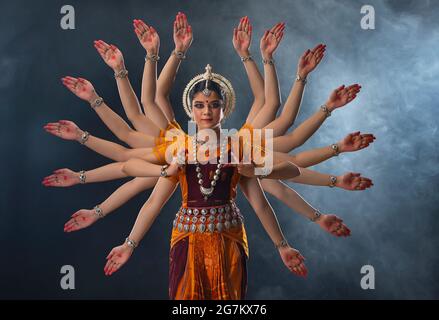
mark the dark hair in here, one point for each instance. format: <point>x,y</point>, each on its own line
<point>211,85</point>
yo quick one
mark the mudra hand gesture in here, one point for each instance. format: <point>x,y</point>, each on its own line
<point>182,33</point>
<point>342,96</point>
<point>111,55</point>
<point>356,141</point>
<point>293,260</point>
<point>81,87</point>
<point>333,225</point>
<point>62,178</point>
<point>310,60</point>
<point>117,258</point>
<point>242,36</point>
<point>353,181</point>
<point>148,37</point>
<point>271,39</point>
<point>80,219</point>
<point>64,129</point>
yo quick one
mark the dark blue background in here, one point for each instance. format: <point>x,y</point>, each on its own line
<point>394,225</point>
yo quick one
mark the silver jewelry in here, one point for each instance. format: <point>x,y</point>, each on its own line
<point>131,243</point>
<point>333,180</point>
<point>299,78</point>
<point>179,54</point>
<point>265,173</point>
<point>317,215</point>
<point>163,172</point>
<point>268,61</point>
<point>207,192</point>
<point>248,58</point>
<point>325,109</point>
<point>153,58</point>
<point>98,211</point>
<point>206,92</point>
<point>82,176</point>
<point>97,102</point>
<point>84,137</point>
<point>121,73</point>
<point>335,148</point>
<point>281,244</point>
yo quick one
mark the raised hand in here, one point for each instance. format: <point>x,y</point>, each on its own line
<point>242,36</point>
<point>342,96</point>
<point>310,60</point>
<point>355,141</point>
<point>293,260</point>
<point>117,258</point>
<point>333,225</point>
<point>148,37</point>
<point>271,39</point>
<point>81,219</point>
<point>64,129</point>
<point>353,181</point>
<point>82,88</point>
<point>182,33</point>
<point>111,55</point>
<point>61,178</point>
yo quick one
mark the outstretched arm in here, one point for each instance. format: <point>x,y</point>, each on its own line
<point>182,39</point>
<point>242,35</point>
<point>84,218</point>
<point>292,259</point>
<point>149,39</point>
<point>150,210</point>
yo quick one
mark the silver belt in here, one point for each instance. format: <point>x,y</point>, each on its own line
<point>201,219</point>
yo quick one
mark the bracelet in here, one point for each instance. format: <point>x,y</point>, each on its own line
<point>265,173</point>
<point>97,102</point>
<point>281,244</point>
<point>99,212</point>
<point>163,172</point>
<point>121,73</point>
<point>244,59</point>
<point>269,61</point>
<point>335,148</point>
<point>325,109</point>
<point>131,243</point>
<point>299,78</point>
<point>84,137</point>
<point>153,58</point>
<point>317,215</point>
<point>82,176</point>
<point>179,54</point>
<point>333,181</point>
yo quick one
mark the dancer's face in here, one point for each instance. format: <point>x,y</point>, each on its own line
<point>207,111</point>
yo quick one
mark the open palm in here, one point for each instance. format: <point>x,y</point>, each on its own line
<point>182,33</point>
<point>80,219</point>
<point>64,129</point>
<point>110,54</point>
<point>61,178</point>
<point>80,87</point>
<point>148,37</point>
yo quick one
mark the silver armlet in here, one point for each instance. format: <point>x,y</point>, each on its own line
<point>99,212</point>
<point>326,110</point>
<point>82,176</point>
<point>131,243</point>
<point>84,137</point>
<point>121,73</point>
<point>97,102</point>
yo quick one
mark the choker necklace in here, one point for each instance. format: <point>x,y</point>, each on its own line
<point>207,192</point>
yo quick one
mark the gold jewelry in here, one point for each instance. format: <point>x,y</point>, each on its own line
<point>225,85</point>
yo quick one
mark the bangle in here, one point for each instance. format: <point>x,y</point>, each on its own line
<point>333,180</point>
<point>317,215</point>
<point>268,61</point>
<point>325,109</point>
<point>299,78</point>
<point>248,58</point>
<point>131,243</point>
<point>163,172</point>
<point>153,58</point>
<point>99,212</point>
<point>121,73</point>
<point>97,102</point>
<point>179,54</point>
<point>84,137</point>
<point>335,148</point>
<point>281,244</point>
<point>82,177</point>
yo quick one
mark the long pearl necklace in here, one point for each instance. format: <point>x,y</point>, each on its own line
<point>207,192</point>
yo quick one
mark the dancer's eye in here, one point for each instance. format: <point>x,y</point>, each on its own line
<point>216,104</point>
<point>199,105</point>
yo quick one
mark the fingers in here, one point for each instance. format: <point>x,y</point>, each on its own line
<point>265,36</point>
<point>245,24</point>
<point>241,22</point>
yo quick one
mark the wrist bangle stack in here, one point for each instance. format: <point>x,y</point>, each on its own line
<point>281,244</point>
<point>131,243</point>
<point>325,109</point>
<point>179,54</point>
<point>99,212</point>
<point>97,102</point>
<point>333,180</point>
<point>121,73</point>
<point>317,215</point>
<point>153,58</point>
<point>163,172</point>
<point>82,176</point>
<point>335,148</point>
<point>248,58</point>
<point>268,61</point>
<point>84,137</point>
<point>299,78</point>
